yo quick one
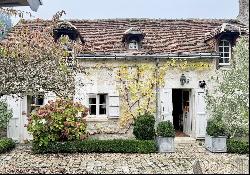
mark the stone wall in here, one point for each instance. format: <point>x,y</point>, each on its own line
<point>112,126</point>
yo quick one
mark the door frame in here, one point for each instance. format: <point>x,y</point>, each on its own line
<point>191,110</point>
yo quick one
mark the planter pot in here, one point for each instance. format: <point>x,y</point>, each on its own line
<point>165,144</point>
<point>216,144</point>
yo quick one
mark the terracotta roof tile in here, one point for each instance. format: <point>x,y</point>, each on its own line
<point>161,35</point>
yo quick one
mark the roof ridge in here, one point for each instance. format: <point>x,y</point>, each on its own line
<point>139,19</point>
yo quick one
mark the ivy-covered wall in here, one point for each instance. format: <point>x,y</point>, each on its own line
<point>135,82</point>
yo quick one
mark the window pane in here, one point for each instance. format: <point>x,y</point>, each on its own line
<point>40,100</point>
<point>226,49</point>
<point>220,49</point>
<point>226,43</point>
<point>102,99</point>
<point>226,60</point>
<point>92,109</point>
<point>226,55</point>
<point>102,109</point>
<point>33,100</point>
<point>92,100</point>
<point>221,60</point>
<point>133,45</point>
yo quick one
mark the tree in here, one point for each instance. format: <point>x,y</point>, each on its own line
<point>32,63</point>
<point>230,99</point>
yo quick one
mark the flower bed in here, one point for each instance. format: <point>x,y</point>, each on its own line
<point>98,146</point>
<point>6,144</point>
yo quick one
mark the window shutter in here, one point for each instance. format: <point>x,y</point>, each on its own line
<point>114,106</point>
<point>49,96</point>
<point>166,105</point>
<point>14,126</point>
<point>201,114</point>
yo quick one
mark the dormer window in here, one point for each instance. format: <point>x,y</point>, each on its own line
<point>133,45</point>
<point>225,52</point>
<point>132,38</point>
<point>67,29</point>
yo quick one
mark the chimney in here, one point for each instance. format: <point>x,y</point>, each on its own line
<point>244,12</point>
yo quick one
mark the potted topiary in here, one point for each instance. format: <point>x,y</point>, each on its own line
<point>216,139</point>
<point>165,137</point>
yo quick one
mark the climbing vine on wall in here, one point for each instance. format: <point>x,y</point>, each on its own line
<point>136,83</point>
<point>137,86</point>
<point>137,91</point>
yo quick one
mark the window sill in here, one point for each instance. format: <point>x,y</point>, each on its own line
<point>225,66</point>
<point>96,118</point>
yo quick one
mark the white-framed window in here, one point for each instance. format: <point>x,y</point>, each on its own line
<point>37,100</point>
<point>97,104</point>
<point>34,102</point>
<point>225,51</point>
<point>133,45</point>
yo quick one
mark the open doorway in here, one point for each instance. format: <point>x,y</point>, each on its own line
<point>181,112</point>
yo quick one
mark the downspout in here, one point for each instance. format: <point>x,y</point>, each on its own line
<point>157,93</point>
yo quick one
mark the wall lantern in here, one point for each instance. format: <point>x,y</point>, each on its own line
<point>202,84</point>
<point>183,79</point>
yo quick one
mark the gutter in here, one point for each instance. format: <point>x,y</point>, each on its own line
<point>165,56</point>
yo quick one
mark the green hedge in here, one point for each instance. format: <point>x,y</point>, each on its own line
<point>98,146</point>
<point>238,146</point>
<point>6,144</point>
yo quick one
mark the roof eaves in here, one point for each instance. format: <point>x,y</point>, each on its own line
<point>160,56</point>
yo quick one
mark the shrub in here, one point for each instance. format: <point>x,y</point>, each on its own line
<point>5,115</point>
<point>215,127</point>
<point>98,146</point>
<point>58,121</point>
<point>6,144</point>
<point>238,146</point>
<point>165,129</point>
<point>144,127</point>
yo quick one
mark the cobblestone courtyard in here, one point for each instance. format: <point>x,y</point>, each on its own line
<point>184,160</point>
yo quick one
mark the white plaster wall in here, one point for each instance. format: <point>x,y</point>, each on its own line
<point>106,80</point>
<point>103,81</point>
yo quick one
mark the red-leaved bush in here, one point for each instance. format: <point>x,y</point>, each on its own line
<point>62,120</point>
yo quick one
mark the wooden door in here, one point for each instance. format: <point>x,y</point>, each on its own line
<point>201,115</point>
<point>166,105</point>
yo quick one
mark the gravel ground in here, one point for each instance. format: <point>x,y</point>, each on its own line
<point>189,158</point>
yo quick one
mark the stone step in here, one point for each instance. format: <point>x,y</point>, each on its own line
<point>180,140</point>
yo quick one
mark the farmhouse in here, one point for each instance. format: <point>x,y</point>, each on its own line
<point>201,47</point>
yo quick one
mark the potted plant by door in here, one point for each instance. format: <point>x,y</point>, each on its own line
<point>216,139</point>
<point>165,134</point>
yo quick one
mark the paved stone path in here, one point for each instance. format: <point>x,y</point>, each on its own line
<point>183,161</point>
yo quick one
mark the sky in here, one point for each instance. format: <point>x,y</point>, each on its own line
<point>170,9</point>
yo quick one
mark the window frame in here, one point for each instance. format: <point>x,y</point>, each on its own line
<point>34,106</point>
<point>97,104</point>
<point>135,43</point>
<point>223,52</point>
